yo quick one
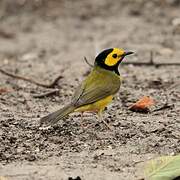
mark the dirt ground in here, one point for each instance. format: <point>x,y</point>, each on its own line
<point>44,39</point>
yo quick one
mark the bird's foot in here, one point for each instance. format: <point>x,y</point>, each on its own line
<point>107,125</point>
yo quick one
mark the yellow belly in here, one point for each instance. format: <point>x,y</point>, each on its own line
<point>97,106</point>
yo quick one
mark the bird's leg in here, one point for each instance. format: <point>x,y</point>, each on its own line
<point>100,118</point>
<point>82,116</point>
<point>82,125</point>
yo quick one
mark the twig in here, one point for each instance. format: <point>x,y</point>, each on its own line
<point>14,175</point>
<point>151,64</point>
<point>46,94</point>
<point>174,85</point>
<point>166,104</point>
<point>151,57</point>
<point>51,85</point>
<point>87,62</point>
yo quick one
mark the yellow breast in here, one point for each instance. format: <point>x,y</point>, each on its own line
<point>97,106</point>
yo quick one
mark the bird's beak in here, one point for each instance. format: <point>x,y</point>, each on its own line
<point>125,54</point>
<point>128,53</point>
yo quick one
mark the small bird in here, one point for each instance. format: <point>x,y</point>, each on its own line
<point>97,90</point>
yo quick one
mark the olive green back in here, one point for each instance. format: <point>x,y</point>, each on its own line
<point>99,84</point>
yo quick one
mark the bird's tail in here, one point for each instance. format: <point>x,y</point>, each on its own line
<point>56,116</point>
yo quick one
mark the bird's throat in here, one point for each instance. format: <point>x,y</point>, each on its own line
<point>110,68</point>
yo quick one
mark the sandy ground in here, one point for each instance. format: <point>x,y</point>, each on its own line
<point>44,39</point>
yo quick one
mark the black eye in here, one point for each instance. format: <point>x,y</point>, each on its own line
<point>114,55</point>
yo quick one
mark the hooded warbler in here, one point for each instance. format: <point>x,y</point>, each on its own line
<point>97,90</point>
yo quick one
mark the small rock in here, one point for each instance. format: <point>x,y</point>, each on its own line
<point>176,25</point>
<point>29,56</point>
<point>176,21</point>
<point>166,51</point>
<point>31,157</point>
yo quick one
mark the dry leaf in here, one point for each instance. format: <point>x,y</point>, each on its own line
<point>163,168</point>
<point>3,90</point>
<point>143,104</point>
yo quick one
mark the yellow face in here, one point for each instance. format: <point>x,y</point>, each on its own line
<point>110,59</point>
<point>114,57</point>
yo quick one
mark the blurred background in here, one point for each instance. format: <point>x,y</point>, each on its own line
<point>66,29</point>
<point>42,39</point>
<point>40,34</point>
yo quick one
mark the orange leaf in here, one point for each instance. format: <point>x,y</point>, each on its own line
<point>143,104</point>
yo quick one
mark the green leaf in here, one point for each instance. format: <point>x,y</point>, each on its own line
<point>163,168</point>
